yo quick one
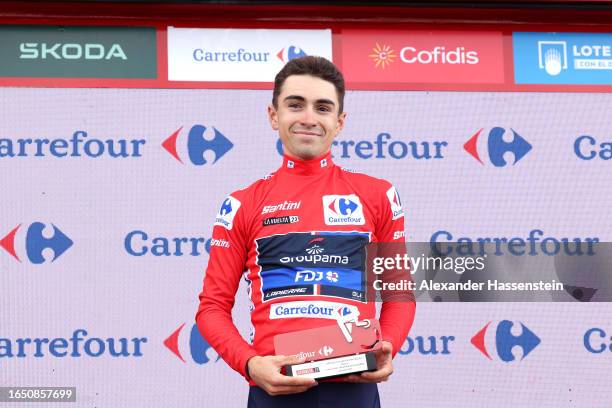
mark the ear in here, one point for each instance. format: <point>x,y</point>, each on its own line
<point>273,117</point>
<point>341,120</point>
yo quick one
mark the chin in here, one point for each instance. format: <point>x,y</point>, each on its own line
<point>307,154</point>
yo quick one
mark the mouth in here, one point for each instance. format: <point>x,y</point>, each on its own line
<point>307,133</point>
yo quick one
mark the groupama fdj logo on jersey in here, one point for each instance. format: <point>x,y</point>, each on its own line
<point>36,242</point>
<point>504,340</point>
<point>497,147</point>
<point>198,144</point>
<point>198,347</point>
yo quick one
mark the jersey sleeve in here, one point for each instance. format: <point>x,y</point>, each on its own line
<point>397,312</point>
<point>228,254</point>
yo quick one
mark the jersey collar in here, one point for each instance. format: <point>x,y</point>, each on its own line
<point>307,167</point>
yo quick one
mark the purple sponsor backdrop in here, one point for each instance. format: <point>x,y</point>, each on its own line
<point>105,284</point>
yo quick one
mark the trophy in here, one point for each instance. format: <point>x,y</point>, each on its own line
<point>333,350</point>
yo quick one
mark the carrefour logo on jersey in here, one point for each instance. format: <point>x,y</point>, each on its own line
<point>197,144</point>
<point>497,147</point>
<point>227,212</point>
<point>36,241</point>
<point>502,339</point>
<point>79,145</point>
<point>384,146</point>
<point>343,210</point>
<point>305,309</point>
<point>79,344</point>
<point>396,203</point>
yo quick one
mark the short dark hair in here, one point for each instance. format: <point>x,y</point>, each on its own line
<point>317,67</point>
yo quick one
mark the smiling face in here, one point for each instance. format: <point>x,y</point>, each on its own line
<point>307,117</point>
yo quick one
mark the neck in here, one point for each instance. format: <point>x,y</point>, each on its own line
<point>313,166</point>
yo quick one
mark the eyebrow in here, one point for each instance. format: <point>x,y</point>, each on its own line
<point>302,99</point>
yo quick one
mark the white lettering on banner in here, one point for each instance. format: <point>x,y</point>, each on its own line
<point>70,51</point>
<point>592,51</point>
<point>439,55</point>
<point>316,309</point>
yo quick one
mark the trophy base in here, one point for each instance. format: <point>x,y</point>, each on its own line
<point>334,367</point>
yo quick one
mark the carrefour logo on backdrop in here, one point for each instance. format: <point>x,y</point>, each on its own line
<point>597,341</point>
<point>503,341</point>
<point>79,145</point>
<point>427,346</point>
<point>201,352</point>
<point>291,52</point>
<point>588,148</point>
<point>198,144</point>
<point>140,243</point>
<point>536,242</point>
<point>38,238</point>
<point>79,344</point>
<point>383,146</point>
<point>497,147</point>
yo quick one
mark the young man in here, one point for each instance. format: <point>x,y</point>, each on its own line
<point>273,228</point>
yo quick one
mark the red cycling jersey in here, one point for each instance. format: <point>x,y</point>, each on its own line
<point>299,235</point>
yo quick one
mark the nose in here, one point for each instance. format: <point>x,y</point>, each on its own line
<point>308,117</point>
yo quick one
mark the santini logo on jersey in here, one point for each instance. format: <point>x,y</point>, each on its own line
<point>343,210</point>
<point>396,204</point>
<point>227,212</point>
<point>287,205</point>
<point>316,309</point>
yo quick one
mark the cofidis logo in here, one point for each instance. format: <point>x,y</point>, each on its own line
<point>402,56</point>
<point>497,147</point>
<point>562,58</point>
<point>198,145</point>
<point>499,337</point>
<point>38,238</point>
<point>201,352</point>
<point>239,55</point>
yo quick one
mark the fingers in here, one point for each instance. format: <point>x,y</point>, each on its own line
<point>282,384</point>
<point>288,360</point>
<point>377,376</point>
